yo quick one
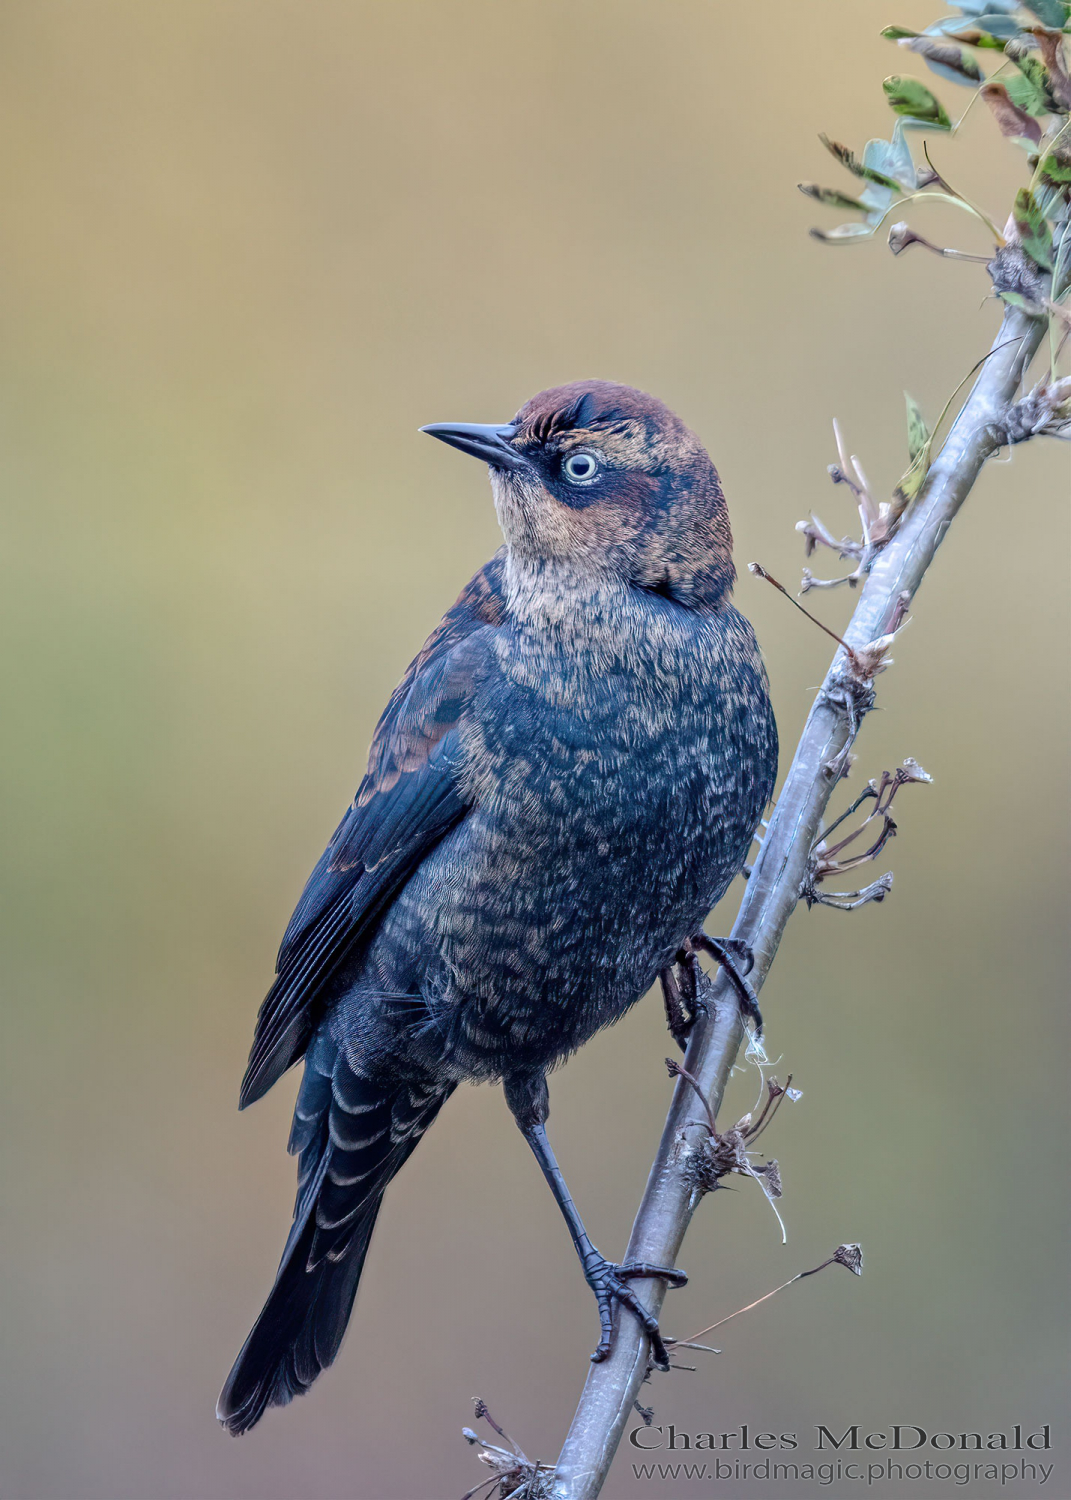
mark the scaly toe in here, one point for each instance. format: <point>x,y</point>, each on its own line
<point>643,1269</point>
<point>610,1284</point>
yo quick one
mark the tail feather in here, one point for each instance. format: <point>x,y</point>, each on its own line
<point>353,1136</point>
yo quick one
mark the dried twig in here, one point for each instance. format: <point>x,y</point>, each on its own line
<point>850,1256</point>
<point>829,859</point>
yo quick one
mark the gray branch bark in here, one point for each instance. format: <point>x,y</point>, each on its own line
<point>773,890</point>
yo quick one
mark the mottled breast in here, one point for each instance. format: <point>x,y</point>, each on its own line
<point>616,784</point>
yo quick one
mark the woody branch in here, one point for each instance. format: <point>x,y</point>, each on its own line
<point>1031,273</point>
<point>777,882</point>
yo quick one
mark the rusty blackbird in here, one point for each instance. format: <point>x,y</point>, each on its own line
<point>559,791</point>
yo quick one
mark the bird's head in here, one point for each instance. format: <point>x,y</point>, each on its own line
<point>606,479</point>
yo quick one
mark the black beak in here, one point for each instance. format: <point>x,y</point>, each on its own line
<point>488,441</point>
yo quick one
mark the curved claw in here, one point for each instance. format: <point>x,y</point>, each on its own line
<point>609,1282</point>
<point>726,952</point>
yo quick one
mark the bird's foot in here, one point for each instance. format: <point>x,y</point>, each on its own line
<point>681,985</point>
<point>739,953</point>
<point>609,1282</point>
<point>736,959</point>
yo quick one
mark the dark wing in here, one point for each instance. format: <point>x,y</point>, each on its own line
<point>407,802</point>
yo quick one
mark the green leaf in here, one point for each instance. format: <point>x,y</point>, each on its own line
<point>919,445</point>
<point>946,59</point>
<point>848,159</point>
<point>896,33</point>
<point>1049,12</point>
<point>1037,76</point>
<point>831,198</point>
<point>911,482</point>
<point>1025,95</point>
<point>1033,230</point>
<point>1016,299</point>
<point>918,434</point>
<point>1055,169</point>
<point>909,97</point>
<point>842,233</point>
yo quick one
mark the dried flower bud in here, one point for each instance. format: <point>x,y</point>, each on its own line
<point>900,236</point>
<point>850,1256</point>
<point>772,1172</point>
<point>912,771</point>
<point>867,661</point>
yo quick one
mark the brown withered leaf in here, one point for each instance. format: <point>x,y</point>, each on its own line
<point>945,58</point>
<point>1050,45</point>
<point>1012,121</point>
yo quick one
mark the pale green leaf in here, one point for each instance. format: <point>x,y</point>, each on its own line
<point>1026,95</point>
<point>831,198</point>
<point>842,233</point>
<point>1034,233</point>
<point>909,97</point>
<point>918,434</point>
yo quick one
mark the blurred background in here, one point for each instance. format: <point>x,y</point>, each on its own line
<point>248,247</point>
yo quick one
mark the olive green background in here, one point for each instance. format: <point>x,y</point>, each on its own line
<point>247,248</point>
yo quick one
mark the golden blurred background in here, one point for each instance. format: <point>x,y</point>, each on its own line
<point>248,247</point>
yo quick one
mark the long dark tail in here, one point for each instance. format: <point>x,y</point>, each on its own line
<point>353,1136</point>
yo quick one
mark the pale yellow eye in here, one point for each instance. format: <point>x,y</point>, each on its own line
<point>580,468</point>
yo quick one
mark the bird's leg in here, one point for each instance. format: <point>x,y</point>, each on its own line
<point>609,1281</point>
<point>527,1099</point>
<point>677,1018</point>
<point>736,959</point>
